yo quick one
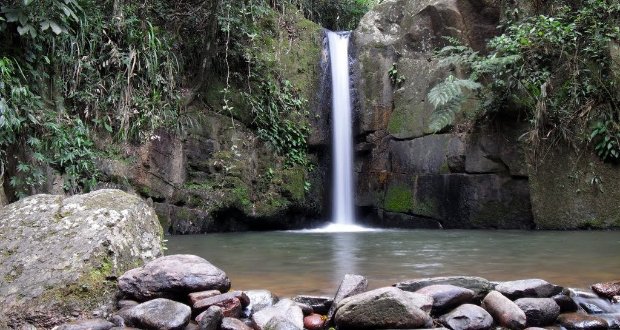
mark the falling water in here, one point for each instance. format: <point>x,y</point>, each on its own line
<point>341,129</point>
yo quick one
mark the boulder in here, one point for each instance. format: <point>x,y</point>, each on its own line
<point>285,312</point>
<point>320,305</point>
<point>566,303</point>
<point>446,296</point>
<point>478,285</point>
<point>539,312</point>
<point>96,324</point>
<point>380,309</point>
<point>505,312</point>
<point>211,318</point>
<point>531,288</point>
<point>280,322</point>
<point>260,299</point>
<point>58,253</point>
<point>194,297</point>
<point>581,321</point>
<point>607,289</point>
<point>161,314</point>
<point>350,285</point>
<point>173,276</point>
<point>229,323</point>
<point>467,317</point>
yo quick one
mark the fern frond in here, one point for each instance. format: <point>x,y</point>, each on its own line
<point>449,89</point>
<point>445,114</point>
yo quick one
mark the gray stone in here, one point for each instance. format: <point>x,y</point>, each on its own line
<point>57,253</point>
<point>581,321</point>
<point>96,324</point>
<point>126,303</point>
<point>446,296</point>
<point>211,318</point>
<point>260,299</point>
<point>505,312</point>
<point>229,323</point>
<point>531,288</point>
<point>566,303</point>
<point>350,285</point>
<point>431,154</point>
<point>467,317</point>
<point>285,310</point>
<point>280,322</point>
<point>380,309</point>
<point>172,277</point>
<point>222,298</point>
<point>161,314</point>
<point>539,312</point>
<point>478,285</point>
<point>320,305</point>
<point>194,297</point>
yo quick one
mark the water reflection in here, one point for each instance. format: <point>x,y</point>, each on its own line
<point>344,249</point>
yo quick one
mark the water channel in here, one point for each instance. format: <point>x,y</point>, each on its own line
<point>291,263</point>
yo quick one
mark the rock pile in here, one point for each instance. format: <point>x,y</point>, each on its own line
<point>185,292</point>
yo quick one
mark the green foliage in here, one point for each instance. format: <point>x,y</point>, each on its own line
<point>556,69</point>
<point>396,79</point>
<point>606,138</point>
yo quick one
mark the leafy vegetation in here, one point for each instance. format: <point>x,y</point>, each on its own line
<point>555,69</point>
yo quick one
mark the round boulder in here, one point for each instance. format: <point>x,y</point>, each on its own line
<point>532,288</point>
<point>446,296</point>
<point>380,309</point>
<point>539,311</point>
<point>505,312</point>
<point>161,314</point>
<point>173,276</point>
<point>467,317</point>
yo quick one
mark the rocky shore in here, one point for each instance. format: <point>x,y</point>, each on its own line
<point>186,292</point>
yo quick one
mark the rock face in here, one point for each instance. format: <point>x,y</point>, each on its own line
<point>380,309</point>
<point>417,180</point>
<point>56,253</point>
<point>171,276</point>
<point>467,317</point>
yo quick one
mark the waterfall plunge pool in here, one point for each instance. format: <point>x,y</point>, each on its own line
<point>292,263</point>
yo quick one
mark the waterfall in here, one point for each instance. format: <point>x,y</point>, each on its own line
<point>342,134</point>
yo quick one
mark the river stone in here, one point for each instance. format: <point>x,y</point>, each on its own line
<point>539,311</point>
<point>222,299</point>
<point>607,289</point>
<point>505,312</point>
<point>211,318</point>
<point>566,303</point>
<point>260,299</point>
<point>231,307</point>
<point>286,310</point>
<point>161,314</point>
<point>173,276</point>
<point>320,305</point>
<point>380,309</point>
<point>446,296</point>
<point>57,253</point>
<point>613,320</point>
<point>581,321</point>
<point>280,322</point>
<point>350,285</point>
<point>314,322</point>
<point>229,323</point>
<point>479,285</point>
<point>467,317</point>
<point>531,288</point>
<point>194,297</point>
<point>96,324</point>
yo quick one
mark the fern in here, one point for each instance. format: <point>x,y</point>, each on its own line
<point>445,114</point>
<point>447,98</point>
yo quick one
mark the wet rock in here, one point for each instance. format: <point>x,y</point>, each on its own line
<point>211,318</point>
<point>222,299</point>
<point>160,314</point>
<point>173,276</point>
<point>607,289</point>
<point>539,311</point>
<point>194,297</point>
<point>229,323</point>
<point>591,308</point>
<point>505,312</point>
<point>581,321</point>
<point>59,252</point>
<point>531,288</point>
<point>231,307</point>
<point>446,296</point>
<point>566,303</point>
<point>479,285</point>
<point>379,309</point>
<point>350,285</point>
<point>306,309</point>
<point>320,305</point>
<point>314,322</point>
<point>96,324</point>
<point>260,299</point>
<point>285,310</point>
<point>467,317</point>
<point>593,304</point>
<point>613,320</point>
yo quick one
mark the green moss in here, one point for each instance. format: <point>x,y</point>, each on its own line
<point>396,122</point>
<point>293,182</point>
<point>424,208</point>
<point>398,199</point>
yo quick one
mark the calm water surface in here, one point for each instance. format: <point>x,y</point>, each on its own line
<point>291,263</point>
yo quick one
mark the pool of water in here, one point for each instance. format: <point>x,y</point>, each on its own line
<point>291,263</point>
